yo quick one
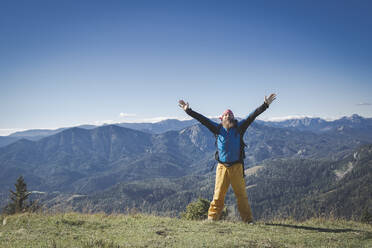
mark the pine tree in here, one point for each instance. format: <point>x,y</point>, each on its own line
<point>19,197</point>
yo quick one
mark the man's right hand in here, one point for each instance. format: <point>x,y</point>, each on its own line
<point>270,99</point>
<point>183,104</point>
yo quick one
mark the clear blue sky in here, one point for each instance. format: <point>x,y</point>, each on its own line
<point>64,63</point>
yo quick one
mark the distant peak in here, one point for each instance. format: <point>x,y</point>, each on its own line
<point>352,117</point>
<point>306,117</point>
<point>356,116</point>
<point>290,117</point>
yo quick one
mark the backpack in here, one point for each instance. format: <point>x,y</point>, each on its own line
<point>242,148</point>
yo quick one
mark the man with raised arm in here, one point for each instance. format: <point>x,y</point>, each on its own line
<point>230,156</point>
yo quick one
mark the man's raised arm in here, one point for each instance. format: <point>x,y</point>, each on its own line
<point>244,124</point>
<point>211,125</point>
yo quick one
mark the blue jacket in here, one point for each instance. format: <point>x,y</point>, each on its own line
<point>229,141</point>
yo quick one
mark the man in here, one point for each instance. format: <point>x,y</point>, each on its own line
<point>230,157</point>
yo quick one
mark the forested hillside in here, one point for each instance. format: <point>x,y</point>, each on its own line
<point>294,172</point>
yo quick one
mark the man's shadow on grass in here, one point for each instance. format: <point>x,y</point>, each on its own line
<point>319,229</point>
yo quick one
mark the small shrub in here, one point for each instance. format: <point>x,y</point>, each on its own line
<point>366,216</point>
<point>198,210</point>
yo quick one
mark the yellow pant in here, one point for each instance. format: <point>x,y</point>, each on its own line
<point>225,176</point>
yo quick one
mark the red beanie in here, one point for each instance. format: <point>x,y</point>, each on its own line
<point>227,111</point>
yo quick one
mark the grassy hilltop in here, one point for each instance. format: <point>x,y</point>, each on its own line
<point>139,230</point>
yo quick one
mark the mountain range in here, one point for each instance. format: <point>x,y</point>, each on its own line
<point>95,162</point>
<point>304,124</point>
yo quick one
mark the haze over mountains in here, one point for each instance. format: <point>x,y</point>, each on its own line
<point>306,124</point>
<point>161,167</point>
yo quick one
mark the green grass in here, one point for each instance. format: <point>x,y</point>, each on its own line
<point>140,230</point>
